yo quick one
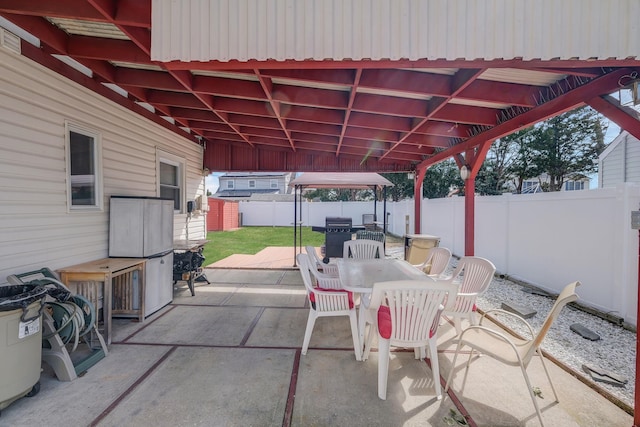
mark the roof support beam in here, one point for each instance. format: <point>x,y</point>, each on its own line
<point>625,117</point>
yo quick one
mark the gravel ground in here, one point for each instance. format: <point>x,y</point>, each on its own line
<point>614,352</point>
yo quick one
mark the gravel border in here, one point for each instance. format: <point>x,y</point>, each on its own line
<point>614,352</point>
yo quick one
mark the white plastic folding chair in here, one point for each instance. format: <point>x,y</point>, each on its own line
<point>473,276</point>
<point>363,248</point>
<point>407,314</point>
<point>510,350</point>
<point>330,269</point>
<point>326,298</point>
<point>437,261</point>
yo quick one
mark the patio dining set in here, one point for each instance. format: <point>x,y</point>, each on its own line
<point>402,304</point>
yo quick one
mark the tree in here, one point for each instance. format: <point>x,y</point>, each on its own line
<point>520,165</point>
<point>339,194</point>
<point>441,179</point>
<point>402,186</point>
<point>565,146</point>
<point>562,148</point>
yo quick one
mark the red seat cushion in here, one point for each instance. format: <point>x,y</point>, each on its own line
<point>384,323</point>
<point>312,296</point>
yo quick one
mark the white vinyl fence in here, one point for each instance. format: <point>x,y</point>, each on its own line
<point>546,239</point>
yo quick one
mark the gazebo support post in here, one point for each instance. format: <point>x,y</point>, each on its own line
<point>384,210</point>
<point>295,222</point>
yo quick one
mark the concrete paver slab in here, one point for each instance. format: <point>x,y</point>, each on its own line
<point>349,396</point>
<point>266,277</point>
<point>279,327</point>
<point>197,325</point>
<point>214,294</point>
<point>79,402</point>
<point>269,296</point>
<point>291,278</point>
<point>198,386</point>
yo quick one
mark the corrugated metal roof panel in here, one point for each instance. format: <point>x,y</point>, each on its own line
<point>89,28</point>
<point>520,76</point>
<point>223,30</point>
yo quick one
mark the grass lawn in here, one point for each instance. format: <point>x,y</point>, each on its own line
<point>251,240</point>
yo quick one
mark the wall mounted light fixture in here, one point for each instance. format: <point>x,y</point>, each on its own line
<point>465,173</point>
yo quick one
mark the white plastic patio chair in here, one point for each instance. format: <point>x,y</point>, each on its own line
<point>511,350</point>
<point>326,299</point>
<point>330,269</point>
<point>473,276</point>
<point>363,249</point>
<point>437,261</point>
<point>407,314</point>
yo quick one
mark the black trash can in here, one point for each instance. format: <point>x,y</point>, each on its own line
<point>20,341</point>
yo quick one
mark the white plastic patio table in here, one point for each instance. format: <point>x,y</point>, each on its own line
<point>359,275</point>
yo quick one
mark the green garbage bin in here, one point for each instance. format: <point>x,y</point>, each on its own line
<point>20,341</point>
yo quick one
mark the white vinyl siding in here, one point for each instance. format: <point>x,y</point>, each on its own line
<point>620,162</point>
<point>632,155</point>
<point>36,226</point>
<point>223,30</point>
<point>612,167</point>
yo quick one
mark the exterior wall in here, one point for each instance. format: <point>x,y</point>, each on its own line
<point>547,239</point>
<point>632,157</point>
<point>36,228</point>
<point>611,163</point>
<point>263,182</point>
<point>620,162</point>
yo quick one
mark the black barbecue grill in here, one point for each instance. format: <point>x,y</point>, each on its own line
<point>337,231</point>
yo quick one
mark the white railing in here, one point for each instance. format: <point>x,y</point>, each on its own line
<point>546,239</point>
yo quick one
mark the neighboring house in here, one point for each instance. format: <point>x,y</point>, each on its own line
<point>65,151</point>
<point>620,161</point>
<point>535,185</point>
<point>244,185</point>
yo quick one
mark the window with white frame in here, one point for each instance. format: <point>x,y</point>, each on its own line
<point>252,183</point>
<point>574,185</point>
<point>230,184</point>
<point>274,183</point>
<point>84,186</point>
<point>171,178</point>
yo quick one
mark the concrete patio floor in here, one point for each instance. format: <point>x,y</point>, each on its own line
<point>230,356</point>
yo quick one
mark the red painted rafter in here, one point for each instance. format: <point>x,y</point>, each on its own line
<point>347,113</point>
<point>76,9</point>
<point>461,80</point>
<point>129,12</point>
<point>107,50</point>
<point>625,117</point>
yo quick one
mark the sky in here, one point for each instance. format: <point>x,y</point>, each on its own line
<point>212,182</point>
